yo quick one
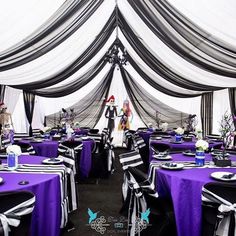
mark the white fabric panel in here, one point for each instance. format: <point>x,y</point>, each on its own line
<point>173,60</point>
<point>215,16</point>
<point>63,54</point>
<point>18,19</point>
<point>38,117</point>
<point>19,118</point>
<point>220,106</point>
<point>11,98</point>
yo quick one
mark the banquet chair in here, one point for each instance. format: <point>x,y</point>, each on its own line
<point>140,145</point>
<point>98,145</point>
<point>37,133</point>
<point>159,147</point>
<point>142,197</point>
<point>19,136</point>
<point>26,148</point>
<point>16,209</point>
<point>218,209</point>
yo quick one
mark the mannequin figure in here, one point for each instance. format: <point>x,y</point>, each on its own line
<point>125,113</point>
<point>5,118</point>
<point>111,113</point>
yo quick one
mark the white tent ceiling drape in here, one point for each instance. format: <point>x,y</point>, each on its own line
<point>25,57</point>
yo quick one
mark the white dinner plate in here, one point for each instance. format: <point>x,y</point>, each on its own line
<point>161,157</point>
<point>156,138</point>
<point>189,153</point>
<point>219,175</point>
<point>1,180</point>
<point>219,154</point>
<point>54,161</point>
<point>172,166</point>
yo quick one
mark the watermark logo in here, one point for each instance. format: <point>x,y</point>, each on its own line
<point>116,224</point>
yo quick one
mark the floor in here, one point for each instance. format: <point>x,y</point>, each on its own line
<point>101,196</point>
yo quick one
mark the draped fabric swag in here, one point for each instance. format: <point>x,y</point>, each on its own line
<point>2,92</point>
<point>207,112</point>
<point>213,59</point>
<point>29,99</point>
<point>232,101</point>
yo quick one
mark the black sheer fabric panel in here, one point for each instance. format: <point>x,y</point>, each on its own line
<point>29,99</point>
<point>155,85</point>
<point>73,86</point>
<point>89,109</point>
<point>207,113</point>
<point>148,107</point>
<point>157,65</point>
<point>186,38</point>
<point>232,102</point>
<point>84,58</point>
<point>69,18</point>
<point>2,92</point>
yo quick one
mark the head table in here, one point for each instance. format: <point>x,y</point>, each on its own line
<point>184,187</point>
<point>47,213</point>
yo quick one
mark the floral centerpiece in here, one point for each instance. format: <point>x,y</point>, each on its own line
<point>201,145</point>
<point>46,129</point>
<point>164,126</point>
<point>13,152</point>
<point>198,133</point>
<point>179,132</point>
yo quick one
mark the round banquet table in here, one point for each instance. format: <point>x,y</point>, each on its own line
<point>178,146</point>
<point>46,187</point>
<point>49,149</point>
<point>185,187</point>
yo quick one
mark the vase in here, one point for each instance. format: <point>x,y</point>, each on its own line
<point>178,138</point>
<point>200,158</point>
<point>12,161</point>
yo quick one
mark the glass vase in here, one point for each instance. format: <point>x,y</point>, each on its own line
<point>200,158</point>
<point>178,138</point>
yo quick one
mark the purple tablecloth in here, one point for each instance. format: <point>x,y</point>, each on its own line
<point>44,148</point>
<point>178,146</point>
<point>49,149</point>
<point>46,187</point>
<point>185,187</point>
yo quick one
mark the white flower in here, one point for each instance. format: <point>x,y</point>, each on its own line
<point>46,129</point>
<point>15,149</point>
<point>179,130</point>
<point>164,126</point>
<point>202,145</point>
<point>198,130</point>
<point>69,130</point>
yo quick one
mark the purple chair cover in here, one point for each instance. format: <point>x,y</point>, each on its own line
<point>185,187</point>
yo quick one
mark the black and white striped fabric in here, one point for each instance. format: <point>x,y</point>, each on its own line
<point>62,172</point>
<point>12,216</point>
<point>109,147</point>
<point>30,150</point>
<point>130,159</point>
<point>138,142</point>
<point>137,204</point>
<point>20,136</point>
<point>105,135</point>
<point>36,132</point>
<point>5,142</point>
<point>225,225</point>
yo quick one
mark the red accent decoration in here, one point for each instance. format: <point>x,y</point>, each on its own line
<point>110,98</point>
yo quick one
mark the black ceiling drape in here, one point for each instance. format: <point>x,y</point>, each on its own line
<point>186,38</point>
<point>89,109</point>
<point>84,58</point>
<point>157,65</point>
<point>69,18</point>
<point>29,99</point>
<point>207,113</point>
<point>147,106</point>
<point>2,92</point>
